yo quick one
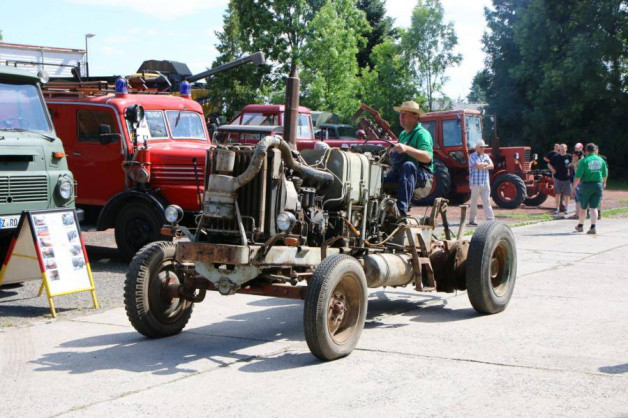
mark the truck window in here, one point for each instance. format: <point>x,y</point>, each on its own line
<point>185,125</point>
<point>21,108</point>
<point>431,128</point>
<point>452,133</point>
<point>156,124</point>
<point>473,125</point>
<point>89,121</point>
<point>264,119</point>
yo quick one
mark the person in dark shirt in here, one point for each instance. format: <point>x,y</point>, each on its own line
<point>550,154</point>
<point>559,165</point>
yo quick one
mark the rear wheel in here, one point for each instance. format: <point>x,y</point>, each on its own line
<point>458,198</point>
<point>137,225</point>
<point>535,200</point>
<point>508,191</point>
<point>491,267</point>
<point>335,307</point>
<point>149,308</point>
<point>441,185</point>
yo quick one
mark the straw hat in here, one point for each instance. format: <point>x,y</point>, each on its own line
<point>480,143</point>
<point>410,106</point>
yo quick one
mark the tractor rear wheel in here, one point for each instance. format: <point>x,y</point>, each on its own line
<point>440,186</point>
<point>458,198</point>
<point>491,267</point>
<point>150,309</point>
<point>335,307</point>
<point>508,191</point>
<point>535,200</point>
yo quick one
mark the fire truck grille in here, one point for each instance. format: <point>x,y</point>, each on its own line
<point>18,189</point>
<point>177,174</point>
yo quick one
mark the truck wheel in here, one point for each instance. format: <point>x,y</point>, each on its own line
<point>151,312</point>
<point>440,186</point>
<point>136,226</point>
<point>335,307</point>
<point>535,200</point>
<point>508,191</point>
<point>491,267</point>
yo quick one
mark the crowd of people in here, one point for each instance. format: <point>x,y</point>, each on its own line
<point>581,175</point>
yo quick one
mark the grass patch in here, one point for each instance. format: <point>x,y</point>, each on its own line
<point>623,201</point>
<point>614,212</point>
<point>528,217</point>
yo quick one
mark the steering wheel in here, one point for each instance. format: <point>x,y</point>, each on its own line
<point>386,156</point>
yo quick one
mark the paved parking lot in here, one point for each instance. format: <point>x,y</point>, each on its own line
<point>559,349</point>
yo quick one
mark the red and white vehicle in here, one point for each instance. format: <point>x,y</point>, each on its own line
<point>132,155</point>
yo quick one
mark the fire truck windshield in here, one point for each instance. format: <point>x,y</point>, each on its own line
<point>176,124</point>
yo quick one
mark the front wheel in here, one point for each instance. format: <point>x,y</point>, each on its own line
<point>137,225</point>
<point>508,191</point>
<point>491,267</point>
<point>335,307</point>
<point>149,308</point>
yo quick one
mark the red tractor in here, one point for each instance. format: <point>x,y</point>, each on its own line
<point>455,133</point>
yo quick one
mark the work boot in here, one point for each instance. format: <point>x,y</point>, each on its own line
<point>592,231</point>
<point>579,228</point>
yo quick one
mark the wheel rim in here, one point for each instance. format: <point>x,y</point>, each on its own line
<point>507,191</point>
<point>500,269</point>
<point>344,309</point>
<point>164,308</point>
<point>138,232</point>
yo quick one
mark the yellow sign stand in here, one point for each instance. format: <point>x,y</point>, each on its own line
<point>48,245</point>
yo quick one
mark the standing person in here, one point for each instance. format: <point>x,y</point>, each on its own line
<point>550,154</point>
<point>479,181</point>
<point>412,163</point>
<point>576,156</point>
<point>578,147</point>
<point>591,175</point>
<point>559,165</point>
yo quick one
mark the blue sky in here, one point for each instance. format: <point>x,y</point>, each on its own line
<point>131,31</point>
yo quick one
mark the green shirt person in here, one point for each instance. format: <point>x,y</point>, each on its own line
<point>591,176</point>
<point>412,157</point>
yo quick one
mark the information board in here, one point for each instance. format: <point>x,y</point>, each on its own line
<point>48,245</point>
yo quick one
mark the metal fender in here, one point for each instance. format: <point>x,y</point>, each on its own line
<point>107,217</point>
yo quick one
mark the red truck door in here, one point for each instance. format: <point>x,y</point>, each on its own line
<point>97,168</point>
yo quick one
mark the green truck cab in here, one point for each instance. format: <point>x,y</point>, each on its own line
<point>34,172</point>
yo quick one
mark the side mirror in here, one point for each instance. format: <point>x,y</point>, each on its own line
<point>106,136</point>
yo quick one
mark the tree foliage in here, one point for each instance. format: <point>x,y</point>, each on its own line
<point>381,29</point>
<point>429,43</point>
<point>330,68</point>
<point>557,73</point>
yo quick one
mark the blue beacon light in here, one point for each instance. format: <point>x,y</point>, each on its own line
<point>186,89</point>
<point>121,87</point>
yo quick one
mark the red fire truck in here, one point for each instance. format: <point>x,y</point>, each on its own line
<point>132,154</point>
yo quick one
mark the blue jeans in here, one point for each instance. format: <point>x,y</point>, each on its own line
<point>406,177</point>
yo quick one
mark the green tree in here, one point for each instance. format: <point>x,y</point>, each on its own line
<point>429,43</point>
<point>390,82</point>
<point>479,87</point>
<point>381,28</point>
<point>231,90</point>
<point>559,73</point>
<point>330,67</point>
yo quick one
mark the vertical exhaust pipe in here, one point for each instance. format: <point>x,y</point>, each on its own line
<point>292,108</point>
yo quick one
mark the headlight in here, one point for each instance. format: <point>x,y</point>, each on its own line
<point>173,214</point>
<point>285,221</point>
<point>65,188</point>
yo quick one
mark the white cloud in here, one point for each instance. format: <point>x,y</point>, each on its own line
<point>161,9</point>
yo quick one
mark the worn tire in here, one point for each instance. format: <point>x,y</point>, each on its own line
<point>137,225</point>
<point>491,267</point>
<point>338,283</point>
<point>508,191</point>
<point>441,185</point>
<point>150,312</point>
<point>535,200</point>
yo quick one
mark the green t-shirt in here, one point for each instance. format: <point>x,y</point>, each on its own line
<point>592,168</point>
<point>421,139</point>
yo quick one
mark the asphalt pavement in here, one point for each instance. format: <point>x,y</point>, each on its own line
<point>559,349</point>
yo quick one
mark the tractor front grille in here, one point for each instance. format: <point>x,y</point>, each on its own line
<point>23,189</point>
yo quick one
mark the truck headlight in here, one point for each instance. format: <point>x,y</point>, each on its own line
<point>65,188</point>
<point>285,221</point>
<point>173,214</point>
